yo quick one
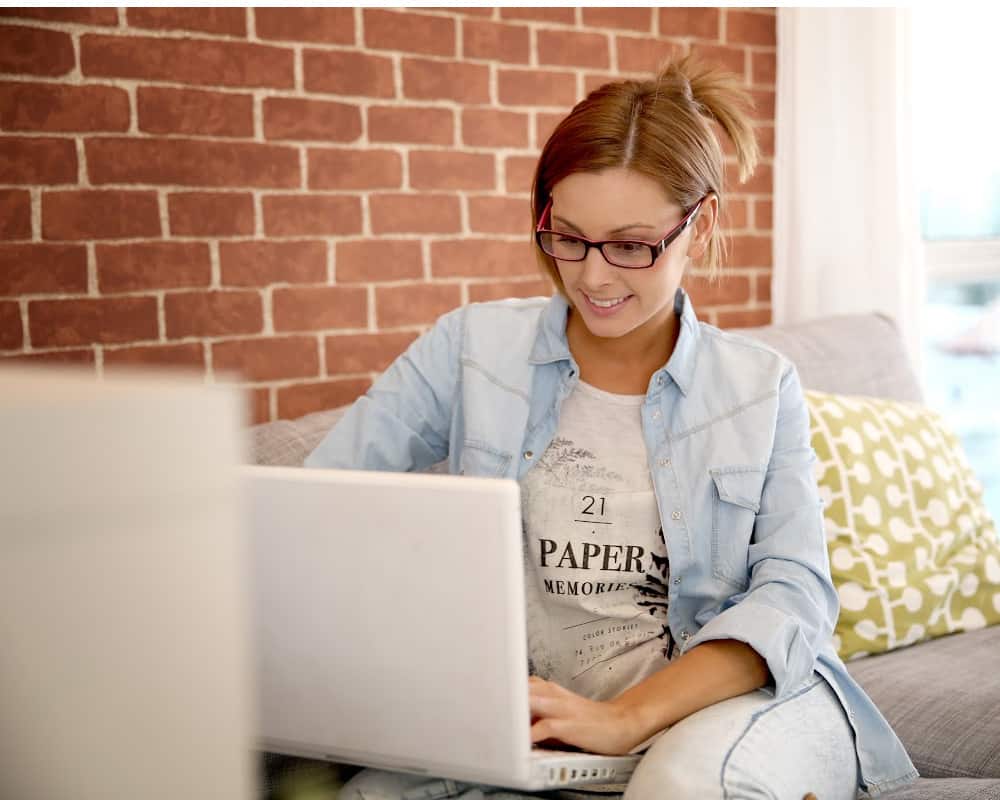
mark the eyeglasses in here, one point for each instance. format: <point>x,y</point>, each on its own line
<point>627,253</point>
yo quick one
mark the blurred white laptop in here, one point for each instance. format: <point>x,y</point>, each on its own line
<point>390,626</point>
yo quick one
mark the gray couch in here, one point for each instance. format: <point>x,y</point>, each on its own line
<point>943,696</point>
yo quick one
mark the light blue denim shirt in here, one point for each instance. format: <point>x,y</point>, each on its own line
<point>727,437</point>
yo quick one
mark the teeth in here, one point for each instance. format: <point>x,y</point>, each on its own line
<point>606,303</point>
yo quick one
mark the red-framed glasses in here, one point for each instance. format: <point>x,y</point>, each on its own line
<point>626,253</point>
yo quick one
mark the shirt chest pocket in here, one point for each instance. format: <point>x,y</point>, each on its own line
<point>735,503</point>
<point>482,461</point>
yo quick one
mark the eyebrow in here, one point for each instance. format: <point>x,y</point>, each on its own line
<point>569,224</point>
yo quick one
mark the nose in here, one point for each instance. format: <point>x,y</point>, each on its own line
<point>595,271</point>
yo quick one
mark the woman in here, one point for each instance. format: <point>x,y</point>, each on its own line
<point>679,594</point>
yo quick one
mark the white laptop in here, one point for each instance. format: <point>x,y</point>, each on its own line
<point>390,626</point>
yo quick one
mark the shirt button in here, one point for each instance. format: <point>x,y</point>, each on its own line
<point>659,379</point>
<point>664,462</point>
<point>677,581</point>
<point>685,635</point>
<point>656,414</point>
<point>676,515</point>
<point>528,455</point>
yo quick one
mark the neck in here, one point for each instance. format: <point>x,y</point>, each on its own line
<point>643,350</point>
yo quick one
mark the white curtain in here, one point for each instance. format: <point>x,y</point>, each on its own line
<point>846,229</point>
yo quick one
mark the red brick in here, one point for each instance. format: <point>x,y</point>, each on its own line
<point>734,215</point>
<point>764,104</point>
<point>319,308</point>
<point>749,27</point>
<point>295,118</point>
<point>411,124</point>
<point>163,110</point>
<point>729,58</point>
<point>566,15</point>
<point>367,352</point>
<point>446,80</point>
<point>595,80</point>
<point>355,169</point>
<point>762,218</point>
<point>105,320</point>
<point>212,313</point>
<point>88,214</point>
<point>260,406</point>
<point>702,23</point>
<point>415,213</point>
<point>33,51</point>
<point>520,171</point>
<point>42,269</point>
<point>645,55</point>
<point>296,401</point>
<point>11,331</point>
<point>763,286</point>
<point>500,215</point>
<point>348,73</point>
<point>545,125</point>
<point>34,161</point>
<point>732,289</point>
<point>412,33</point>
<point>465,11</point>
<point>267,359</point>
<point>165,355</point>
<point>635,19</point>
<point>536,88</point>
<point>758,183</point>
<point>482,258</point>
<point>751,251</point>
<point>763,68</point>
<point>307,215</point>
<point>451,169</point>
<point>71,357</point>
<point>204,19</point>
<point>51,107</point>
<point>188,162</point>
<point>197,61</point>
<point>748,318</point>
<point>15,214</point>
<point>211,214</point>
<point>499,290</point>
<point>379,260</point>
<point>327,25</point>
<point>487,127</point>
<point>264,263</point>
<point>85,16</point>
<point>573,49</point>
<point>414,305</point>
<point>765,138</point>
<point>496,41</point>
<point>152,265</point>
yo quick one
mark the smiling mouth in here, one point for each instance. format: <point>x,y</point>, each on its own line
<point>611,303</point>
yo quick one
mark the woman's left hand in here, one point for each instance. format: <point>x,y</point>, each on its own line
<point>592,725</point>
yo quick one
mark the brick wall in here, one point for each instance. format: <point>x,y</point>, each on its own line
<point>295,194</point>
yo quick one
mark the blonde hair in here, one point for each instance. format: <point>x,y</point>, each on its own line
<point>662,128</point>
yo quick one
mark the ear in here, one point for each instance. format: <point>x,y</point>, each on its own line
<point>704,225</point>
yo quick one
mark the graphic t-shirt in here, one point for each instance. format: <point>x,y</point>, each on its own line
<point>596,567</point>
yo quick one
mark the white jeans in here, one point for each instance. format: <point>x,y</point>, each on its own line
<point>750,747</point>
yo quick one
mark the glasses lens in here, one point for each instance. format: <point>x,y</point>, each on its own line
<point>628,254</point>
<point>564,247</point>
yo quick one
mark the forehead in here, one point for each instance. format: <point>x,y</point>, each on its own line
<point>601,201</point>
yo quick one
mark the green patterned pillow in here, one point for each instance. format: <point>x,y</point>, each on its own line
<point>913,552</point>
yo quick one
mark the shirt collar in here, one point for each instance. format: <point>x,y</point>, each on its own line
<point>550,339</point>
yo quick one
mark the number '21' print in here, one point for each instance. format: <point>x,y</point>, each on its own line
<point>593,501</point>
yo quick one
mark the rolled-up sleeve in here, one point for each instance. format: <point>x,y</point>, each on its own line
<point>789,609</point>
<point>402,423</point>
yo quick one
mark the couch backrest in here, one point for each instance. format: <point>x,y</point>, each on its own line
<point>850,354</point>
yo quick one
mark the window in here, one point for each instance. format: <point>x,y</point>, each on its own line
<point>958,172</point>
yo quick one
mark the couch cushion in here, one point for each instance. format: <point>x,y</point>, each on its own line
<point>947,789</point>
<point>286,443</point>
<point>845,354</point>
<point>913,550</point>
<point>942,699</point>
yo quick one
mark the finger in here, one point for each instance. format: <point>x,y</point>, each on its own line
<point>543,705</point>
